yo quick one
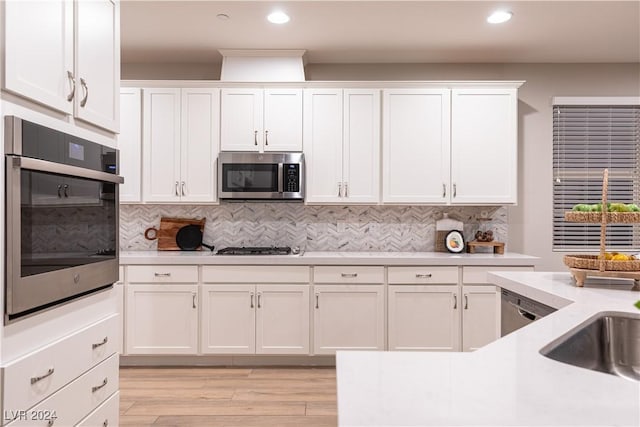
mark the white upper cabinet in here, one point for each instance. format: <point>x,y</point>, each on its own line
<point>415,144</point>
<point>261,120</point>
<point>199,144</point>
<point>484,143</point>
<point>342,145</point>
<point>66,56</point>
<point>161,145</point>
<point>97,59</point>
<point>450,146</point>
<point>180,144</point>
<point>39,51</point>
<point>130,144</point>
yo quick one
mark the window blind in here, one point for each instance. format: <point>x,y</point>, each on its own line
<point>586,140</point>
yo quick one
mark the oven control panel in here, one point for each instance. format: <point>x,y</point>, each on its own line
<point>292,177</point>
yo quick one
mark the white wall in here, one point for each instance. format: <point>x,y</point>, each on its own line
<point>530,223</point>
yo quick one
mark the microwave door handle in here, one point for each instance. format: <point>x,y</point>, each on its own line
<point>62,169</point>
<point>280,178</point>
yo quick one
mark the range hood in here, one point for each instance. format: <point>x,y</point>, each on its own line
<point>249,65</point>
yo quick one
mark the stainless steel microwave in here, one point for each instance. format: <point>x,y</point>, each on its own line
<point>261,176</point>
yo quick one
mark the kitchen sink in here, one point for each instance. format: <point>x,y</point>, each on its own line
<point>607,342</point>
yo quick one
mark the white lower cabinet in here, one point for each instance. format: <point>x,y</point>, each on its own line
<point>104,415</point>
<point>249,318</point>
<point>348,317</point>
<point>73,402</point>
<point>255,319</point>
<point>424,317</point>
<point>162,319</point>
<point>480,316</point>
<point>424,308</point>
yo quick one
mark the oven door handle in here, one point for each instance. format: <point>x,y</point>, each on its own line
<point>62,169</point>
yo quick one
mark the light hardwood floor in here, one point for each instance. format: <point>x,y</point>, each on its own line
<point>213,396</point>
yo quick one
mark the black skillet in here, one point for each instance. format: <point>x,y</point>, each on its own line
<point>189,238</point>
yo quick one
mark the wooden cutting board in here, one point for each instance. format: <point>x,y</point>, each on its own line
<point>169,227</point>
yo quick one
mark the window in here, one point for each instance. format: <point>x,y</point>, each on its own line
<point>590,135</point>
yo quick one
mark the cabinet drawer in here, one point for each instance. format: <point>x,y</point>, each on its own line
<point>40,373</point>
<point>479,274</point>
<point>422,275</point>
<point>255,274</point>
<point>348,274</point>
<point>105,415</point>
<point>73,402</point>
<point>162,274</point>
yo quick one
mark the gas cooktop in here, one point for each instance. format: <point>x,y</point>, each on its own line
<point>265,250</point>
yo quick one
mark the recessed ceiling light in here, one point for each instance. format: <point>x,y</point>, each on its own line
<point>278,18</point>
<point>499,16</point>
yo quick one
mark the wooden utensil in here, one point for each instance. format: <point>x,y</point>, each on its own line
<point>169,227</point>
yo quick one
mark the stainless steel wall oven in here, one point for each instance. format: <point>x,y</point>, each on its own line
<point>61,228</point>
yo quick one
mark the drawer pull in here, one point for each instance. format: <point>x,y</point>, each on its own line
<point>41,377</point>
<point>251,305</point>
<point>162,274</point>
<point>98,387</point>
<point>259,298</point>
<point>105,423</point>
<point>317,300</point>
<point>423,276</point>
<point>99,344</point>
<point>455,302</point>
<point>349,275</point>
<point>466,302</point>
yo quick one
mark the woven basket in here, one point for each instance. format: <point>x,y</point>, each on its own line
<point>591,262</point>
<point>596,217</point>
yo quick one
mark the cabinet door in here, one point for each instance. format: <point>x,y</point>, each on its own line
<point>348,317</point>
<point>415,144</point>
<point>199,144</point>
<point>162,319</point>
<point>480,316</point>
<point>97,59</point>
<point>161,145</point>
<point>484,142</point>
<point>282,120</point>
<point>323,145</point>
<point>228,319</point>
<point>282,319</point>
<point>130,144</point>
<point>361,151</point>
<point>241,118</point>
<point>38,51</point>
<point>424,317</point>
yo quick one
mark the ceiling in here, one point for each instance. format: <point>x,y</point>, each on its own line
<point>384,31</point>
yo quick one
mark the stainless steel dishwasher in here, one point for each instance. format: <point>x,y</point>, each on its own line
<point>518,311</point>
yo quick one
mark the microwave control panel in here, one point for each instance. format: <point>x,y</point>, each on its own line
<point>292,177</point>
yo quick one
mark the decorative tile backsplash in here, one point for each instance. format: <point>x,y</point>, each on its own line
<point>312,228</point>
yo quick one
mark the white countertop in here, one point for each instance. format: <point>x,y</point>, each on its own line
<point>326,258</point>
<point>508,382</point>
